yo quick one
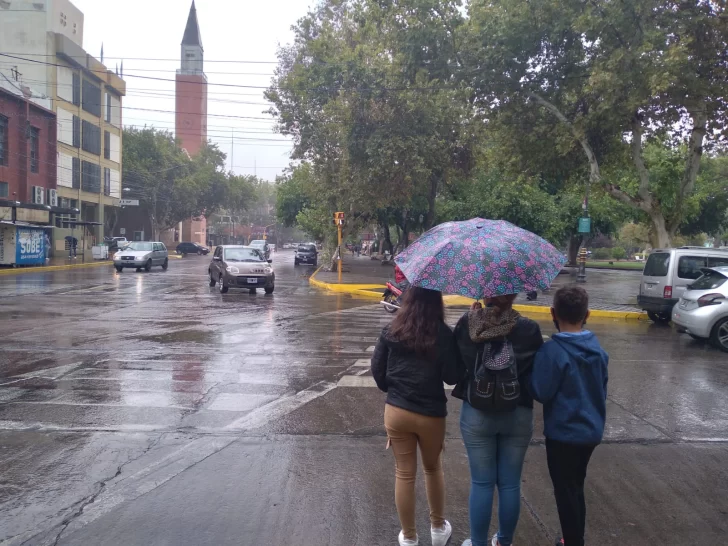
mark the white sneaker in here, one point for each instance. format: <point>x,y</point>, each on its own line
<point>408,541</point>
<point>441,536</point>
<point>495,541</point>
<point>467,542</point>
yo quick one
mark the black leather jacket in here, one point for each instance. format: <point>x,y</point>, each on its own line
<point>415,383</point>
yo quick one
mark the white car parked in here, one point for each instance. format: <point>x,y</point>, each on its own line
<point>702,311</point>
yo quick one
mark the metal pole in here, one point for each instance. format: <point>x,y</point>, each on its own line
<point>341,262</point>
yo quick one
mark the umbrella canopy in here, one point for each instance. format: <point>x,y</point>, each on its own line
<point>480,259</point>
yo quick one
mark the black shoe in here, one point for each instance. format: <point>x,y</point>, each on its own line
<point>559,542</point>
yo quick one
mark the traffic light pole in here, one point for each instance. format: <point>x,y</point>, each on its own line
<point>341,262</point>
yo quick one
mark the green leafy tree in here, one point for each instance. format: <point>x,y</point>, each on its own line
<point>611,77</point>
<point>170,185</point>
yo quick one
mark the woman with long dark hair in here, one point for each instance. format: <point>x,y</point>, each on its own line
<point>414,355</point>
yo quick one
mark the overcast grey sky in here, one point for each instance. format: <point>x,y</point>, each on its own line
<point>232,30</point>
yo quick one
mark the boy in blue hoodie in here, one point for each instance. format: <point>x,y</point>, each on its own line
<point>570,380</point>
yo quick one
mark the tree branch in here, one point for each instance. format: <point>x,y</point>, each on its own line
<point>695,150</point>
<point>644,175</point>
<point>595,176</point>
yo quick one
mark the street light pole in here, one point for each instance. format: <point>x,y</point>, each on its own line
<point>584,229</point>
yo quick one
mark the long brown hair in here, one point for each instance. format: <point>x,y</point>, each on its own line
<point>418,321</point>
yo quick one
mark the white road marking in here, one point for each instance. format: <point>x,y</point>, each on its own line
<point>363,362</point>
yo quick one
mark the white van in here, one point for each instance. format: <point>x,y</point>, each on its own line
<point>668,273</point>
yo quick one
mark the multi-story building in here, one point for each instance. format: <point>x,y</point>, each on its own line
<point>44,39</point>
<point>27,151</point>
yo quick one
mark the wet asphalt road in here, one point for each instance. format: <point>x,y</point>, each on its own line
<point>148,409</point>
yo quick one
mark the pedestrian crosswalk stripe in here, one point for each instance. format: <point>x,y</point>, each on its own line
<point>363,362</point>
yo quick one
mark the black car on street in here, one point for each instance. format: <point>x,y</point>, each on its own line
<point>192,248</point>
<point>306,254</point>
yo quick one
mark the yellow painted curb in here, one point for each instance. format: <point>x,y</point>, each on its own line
<point>365,291</point>
<point>46,268</point>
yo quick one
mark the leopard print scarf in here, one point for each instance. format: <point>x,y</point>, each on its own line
<point>486,324</point>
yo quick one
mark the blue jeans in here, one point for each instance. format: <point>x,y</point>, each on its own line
<point>496,444</point>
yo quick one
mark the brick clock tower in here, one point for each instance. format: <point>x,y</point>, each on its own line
<point>191,111</point>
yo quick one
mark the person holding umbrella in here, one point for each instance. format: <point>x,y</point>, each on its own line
<point>492,260</point>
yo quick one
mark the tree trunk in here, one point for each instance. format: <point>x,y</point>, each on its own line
<point>387,240</point>
<point>659,234</point>
<point>573,250</point>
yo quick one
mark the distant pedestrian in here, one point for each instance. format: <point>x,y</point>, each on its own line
<point>413,357</point>
<point>570,379</point>
<point>47,246</point>
<point>498,346</point>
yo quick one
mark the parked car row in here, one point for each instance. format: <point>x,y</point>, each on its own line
<point>688,285</point>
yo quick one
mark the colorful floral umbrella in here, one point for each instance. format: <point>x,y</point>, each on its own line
<point>480,259</point>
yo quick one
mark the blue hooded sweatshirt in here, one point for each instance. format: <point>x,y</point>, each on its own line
<point>570,380</point>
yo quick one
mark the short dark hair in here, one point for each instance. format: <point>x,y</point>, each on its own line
<point>571,304</point>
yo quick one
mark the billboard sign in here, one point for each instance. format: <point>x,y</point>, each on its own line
<point>29,246</point>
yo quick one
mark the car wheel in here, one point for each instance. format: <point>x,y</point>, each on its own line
<point>119,269</point>
<point>148,265</point>
<point>658,318</point>
<point>221,286</point>
<point>212,279</point>
<point>165,265</point>
<point>269,290</point>
<point>719,336</point>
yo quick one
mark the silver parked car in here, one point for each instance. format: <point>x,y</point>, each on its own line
<point>142,255</point>
<point>703,308</point>
<point>245,267</point>
<point>668,273</point>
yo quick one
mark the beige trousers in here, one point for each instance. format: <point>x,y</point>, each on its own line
<point>406,430</point>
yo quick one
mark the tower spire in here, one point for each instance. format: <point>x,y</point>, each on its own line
<point>192,36</point>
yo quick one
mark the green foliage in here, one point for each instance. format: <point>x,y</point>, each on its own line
<point>602,253</point>
<point>172,187</point>
<point>619,253</point>
<point>587,74</point>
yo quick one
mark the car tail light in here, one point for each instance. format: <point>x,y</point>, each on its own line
<point>710,299</point>
<point>667,293</point>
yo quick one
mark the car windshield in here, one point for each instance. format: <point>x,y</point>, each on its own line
<point>243,255</point>
<point>709,281</point>
<point>141,247</point>
<point>657,265</point>
<point>306,248</point>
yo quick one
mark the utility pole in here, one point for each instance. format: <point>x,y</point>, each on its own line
<point>339,220</point>
<point>584,229</point>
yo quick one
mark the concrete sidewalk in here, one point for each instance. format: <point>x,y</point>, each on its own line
<point>612,294</point>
